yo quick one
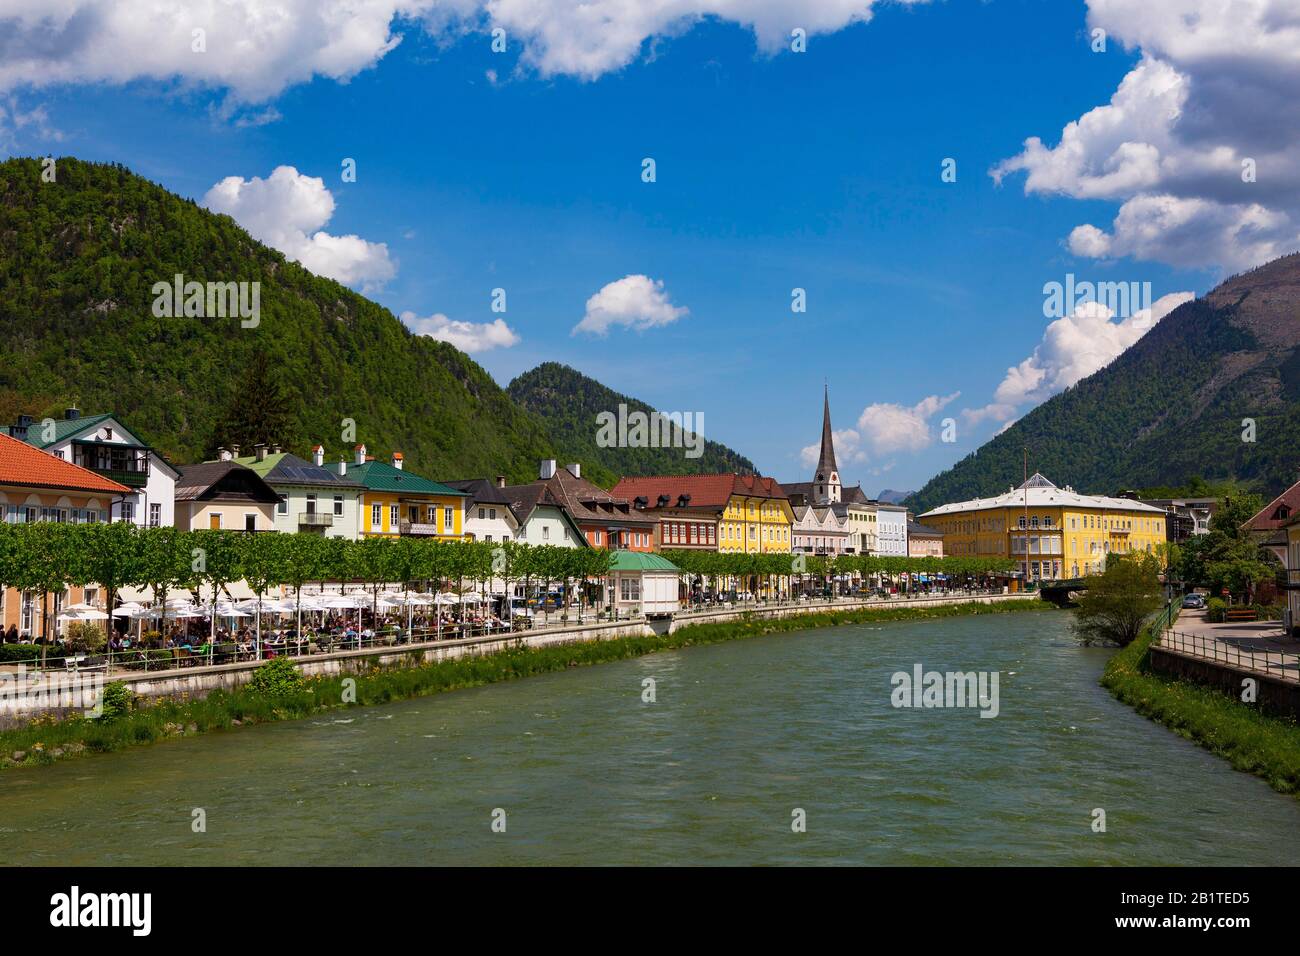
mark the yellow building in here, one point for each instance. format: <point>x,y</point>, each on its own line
<point>397,502</point>
<point>758,518</point>
<point>1069,534</point>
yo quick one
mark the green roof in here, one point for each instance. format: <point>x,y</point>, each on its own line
<point>381,476</point>
<point>63,427</point>
<point>641,561</point>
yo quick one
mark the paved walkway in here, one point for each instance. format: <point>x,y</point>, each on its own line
<point>1248,645</point>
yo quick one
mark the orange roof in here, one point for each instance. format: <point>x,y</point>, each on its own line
<point>21,464</point>
<point>706,491</point>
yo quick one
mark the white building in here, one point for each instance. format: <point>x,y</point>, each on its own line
<point>102,444</point>
<point>488,516</point>
<point>314,499</point>
<point>891,530</point>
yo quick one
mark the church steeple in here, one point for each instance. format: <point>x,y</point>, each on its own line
<point>826,480</point>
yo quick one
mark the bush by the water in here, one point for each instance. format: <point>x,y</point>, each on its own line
<point>116,701</point>
<point>1215,610</point>
<point>276,678</point>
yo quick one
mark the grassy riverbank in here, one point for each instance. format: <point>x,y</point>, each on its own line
<point>1251,741</point>
<point>46,740</point>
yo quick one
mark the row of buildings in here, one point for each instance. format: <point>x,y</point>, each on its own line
<point>88,468</point>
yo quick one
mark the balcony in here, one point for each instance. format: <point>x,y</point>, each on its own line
<point>315,519</point>
<point>423,529</point>
<point>124,476</point>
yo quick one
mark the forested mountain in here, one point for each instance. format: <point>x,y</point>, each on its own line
<point>568,402</point>
<point>78,260</point>
<point>1173,406</point>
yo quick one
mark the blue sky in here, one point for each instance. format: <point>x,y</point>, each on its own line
<point>775,170</point>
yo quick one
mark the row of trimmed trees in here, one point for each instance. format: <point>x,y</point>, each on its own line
<point>723,570</point>
<point>43,559</point>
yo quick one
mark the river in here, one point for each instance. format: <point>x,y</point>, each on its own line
<point>739,737</point>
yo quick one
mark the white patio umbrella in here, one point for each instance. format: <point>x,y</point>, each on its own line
<point>83,614</point>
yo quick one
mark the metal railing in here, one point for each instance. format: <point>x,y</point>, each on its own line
<point>316,519</point>
<point>1272,663</point>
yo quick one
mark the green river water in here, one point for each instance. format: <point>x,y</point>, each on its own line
<point>741,734</point>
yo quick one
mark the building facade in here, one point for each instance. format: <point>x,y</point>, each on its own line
<point>891,530</point>
<point>725,512</point>
<point>395,501</point>
<point>488,515</point>
<point>821,530</point>
<point>1057,532</point>
<point>313,499</point>
<point>924,541</point>
<point>104,445</point>
<point>224,494</point>
<point>36,487</point>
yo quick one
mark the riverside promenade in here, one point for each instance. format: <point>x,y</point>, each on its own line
<point>198,680</point>
<point>1255,647</point>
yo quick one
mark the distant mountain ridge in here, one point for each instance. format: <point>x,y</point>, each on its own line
<point>1181,402</point>
<point>568,403</point>
<point>891,497</point>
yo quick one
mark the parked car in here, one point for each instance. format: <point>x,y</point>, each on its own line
<point>1194,601</point>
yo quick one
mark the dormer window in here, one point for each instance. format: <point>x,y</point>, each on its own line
<point>1283,512</point>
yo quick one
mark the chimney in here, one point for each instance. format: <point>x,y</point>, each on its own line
<point>259,451</point>
<point>575,469</point>
<point>234,451</point>
<point>361,454</point>
<point>318,456</point>
<point>397,460</point>
<point>72,414</point>
<point>276,449</point>
<point>343,466</point>
<point>501,481</point>
<point>223,454</point>
<point>547,469</point>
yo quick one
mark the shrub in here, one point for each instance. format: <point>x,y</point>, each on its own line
<point>84,636</point>
<point>117,701</point>
<point>10,653</point>
<point>277,678</point>
<point>1215,610</point>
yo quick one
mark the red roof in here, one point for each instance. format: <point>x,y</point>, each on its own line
<point>1277,512</point>
<point>21,464</point>
<point>706,491</point>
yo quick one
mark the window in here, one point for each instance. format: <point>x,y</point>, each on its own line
<point>546,533</point>
<point>283,507</point>
<point>128,511</point>
<point>448,520</point>
<point>432,513</point>
<point>214,521</point>
<point>338,505</point>
<point>155,515</point>
<point>376,517</point>
<point>250,522</point>
<point>394,518</point>
<point>481,513</point>
<point>311,504</point>
<point>492,514</point>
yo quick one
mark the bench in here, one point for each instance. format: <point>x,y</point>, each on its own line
<point>1240,614</point>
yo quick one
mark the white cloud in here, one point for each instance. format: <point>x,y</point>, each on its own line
<point>1214,88</point>
<point>635,301</point>
<point>286,211</point>
<point>590,39</point>
<point>254,48</point>
<point>1072,348</point>
<point>467,336</point>
<point>848,449</point>
<point>257,48</point>
<point>887,427</point>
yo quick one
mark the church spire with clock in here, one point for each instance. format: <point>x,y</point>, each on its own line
<point>826,480</point>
